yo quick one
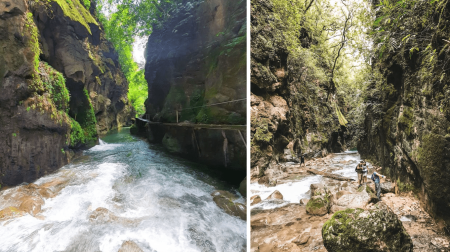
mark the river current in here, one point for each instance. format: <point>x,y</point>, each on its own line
<point>295,190</point>
<point>160,202</point>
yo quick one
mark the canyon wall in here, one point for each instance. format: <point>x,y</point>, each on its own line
<point>407,124</point>
<point>289,109</point>
<point>196,58</point>
<point>61,86</point>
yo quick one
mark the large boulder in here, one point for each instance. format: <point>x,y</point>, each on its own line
<point>318,205</point>
<point>352,200</point>
<point>387,187</point>
<point>275,195</point>
<point>225,201</point>
<point>243,187</point>
<point>376,229</point>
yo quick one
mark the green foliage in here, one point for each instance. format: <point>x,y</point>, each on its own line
<point>77,135</point>
<point>77,12</point>
<point>120,31</point>
<point>406,187</point>
<point>34,40</point>
<point>87,4</point>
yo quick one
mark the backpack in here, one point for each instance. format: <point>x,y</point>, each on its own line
<point>372,177</point>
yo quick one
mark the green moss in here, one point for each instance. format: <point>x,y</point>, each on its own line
<point>387,124</point>
<point>431,165</point>
<point>87,4</point>
<point>406,120</point>
<point>316,203</point>
<point>76,134</point>
<point>262,133</point>
<point>34,39</point>
<point>77,12</point>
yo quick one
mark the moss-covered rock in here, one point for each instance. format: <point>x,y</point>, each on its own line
<point>357,230</point>
<point>318,205</point>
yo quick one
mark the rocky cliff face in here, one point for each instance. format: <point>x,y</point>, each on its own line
<point>61,86</point>
<point>407,121</point>
<point>289,109</point>
<point>196,58</point>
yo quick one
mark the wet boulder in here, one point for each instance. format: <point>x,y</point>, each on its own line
<point>387,187</point>
<point>318,205</point>
<point>376,229</point>
<point>129,246</point>
<point>243,187</point>
<point>255,200</point>
<point>10,212</point>
<point>31,205</point>
<point>275,195</point>
<point>225,200</point>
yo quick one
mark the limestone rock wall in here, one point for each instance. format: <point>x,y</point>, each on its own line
<point>38,42</point>
<point>196,58</point>
<point>407,124</point>
<point>289,111</point>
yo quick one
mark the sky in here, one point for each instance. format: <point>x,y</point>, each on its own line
<point>138,50</point>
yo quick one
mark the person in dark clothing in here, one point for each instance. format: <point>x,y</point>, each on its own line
<point>302,160</point>
<point>376,178</point>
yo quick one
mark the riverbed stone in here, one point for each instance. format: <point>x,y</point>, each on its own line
<point>318,205</point>
<point>255,200</point>
<point>376,229</point>
<point>353,200</point>
<point>230,207</point>
<point>31,205</point>
<point>275,195</point>
<point>304,202</point>
<point>387,187</point>
<point>302,238</point>
<point>10,212</point>
<point>225,194</point>
<point>129,246</point>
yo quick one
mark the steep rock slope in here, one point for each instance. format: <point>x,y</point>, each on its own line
<point>61,86</point>
<point>407,124</point>
<point>196,58</point>
<point>289,108</point>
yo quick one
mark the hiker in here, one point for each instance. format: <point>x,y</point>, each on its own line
<point>364,173</point>
<point>376,178</point>
<point>302,160</point>
<point>360,170</point>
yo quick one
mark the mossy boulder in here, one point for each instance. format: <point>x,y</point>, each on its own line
<point>376,229</point>
<point>318,205</point>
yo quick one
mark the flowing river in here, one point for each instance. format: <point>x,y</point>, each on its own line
<point>160,202</point>
<point>295,190</point>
